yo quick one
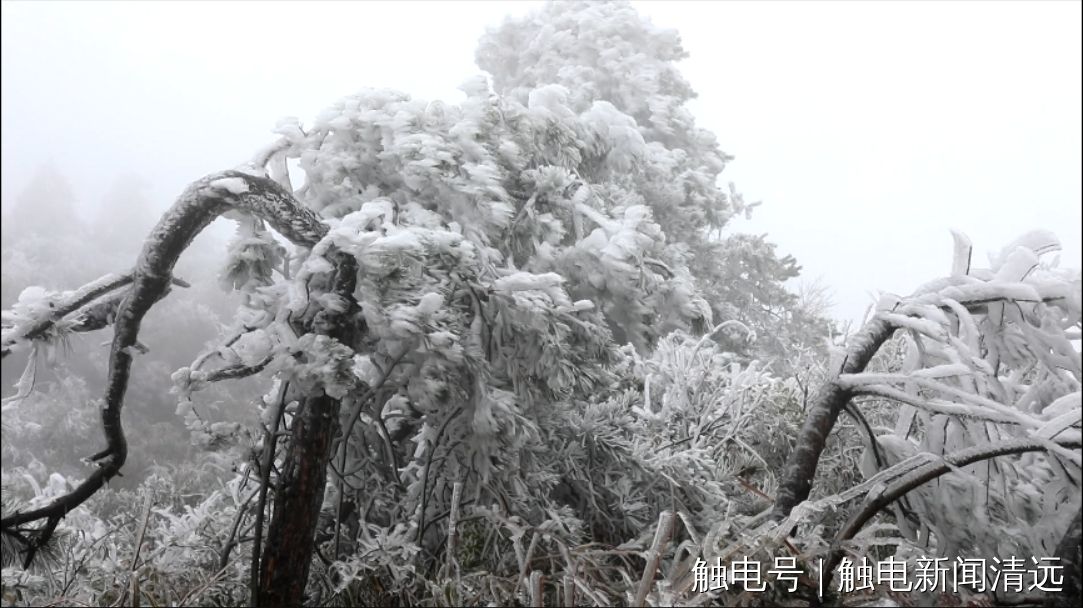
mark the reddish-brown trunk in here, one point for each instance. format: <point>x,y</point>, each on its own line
<point>288,554</point>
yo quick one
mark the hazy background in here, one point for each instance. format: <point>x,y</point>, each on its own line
<point>867,129</point>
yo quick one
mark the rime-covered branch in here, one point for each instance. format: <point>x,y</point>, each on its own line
<point>88,314</point>
<point>924,474</point>
<point>235,372</point>
<point>970,294</point>
<point>198,206</point>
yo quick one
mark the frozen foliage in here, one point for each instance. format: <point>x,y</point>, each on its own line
<point>566,168</point>
<point>252,256</point>
<point>987,362</point>
<point>503,307</point>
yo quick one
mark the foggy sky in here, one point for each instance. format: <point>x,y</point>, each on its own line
<point>867,129</point>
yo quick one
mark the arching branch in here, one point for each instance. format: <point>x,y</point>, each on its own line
<point>924,474</point>
<point>829,401</point>
<point>197,207</point>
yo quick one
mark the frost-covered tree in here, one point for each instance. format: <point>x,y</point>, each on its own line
<point>744,279</point>
<point>984,454</point>
<point>482,332</point>
<point>460,280</point>
<point>610,59</point>
<point>607,58</point>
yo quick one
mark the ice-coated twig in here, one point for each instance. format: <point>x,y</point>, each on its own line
<point>88,315</point>
<point>537,592</point>
<point>452,527</point>
<point>654,556</point>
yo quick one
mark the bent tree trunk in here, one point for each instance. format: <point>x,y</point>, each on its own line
<point>289,548</point>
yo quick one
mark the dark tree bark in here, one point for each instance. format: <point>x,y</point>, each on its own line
<point>828,403</point>
<point>1070,552</point>
<point>299,494</point>
<point>288,555</point>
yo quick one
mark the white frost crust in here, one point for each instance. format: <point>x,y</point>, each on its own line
<point>233,185</point>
